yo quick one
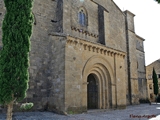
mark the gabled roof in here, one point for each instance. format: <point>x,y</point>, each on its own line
<point>153,63</point>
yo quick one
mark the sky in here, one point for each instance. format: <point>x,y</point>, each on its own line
<point>147,24</point>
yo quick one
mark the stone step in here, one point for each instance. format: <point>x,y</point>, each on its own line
<point>98,110</point>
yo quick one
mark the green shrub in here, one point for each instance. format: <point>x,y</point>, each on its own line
<point>26,106</point>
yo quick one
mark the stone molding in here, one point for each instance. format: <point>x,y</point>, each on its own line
<point>94,47</point>
<point>84,32</point>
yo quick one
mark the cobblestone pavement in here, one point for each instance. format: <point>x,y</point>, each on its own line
<point>135,112</point>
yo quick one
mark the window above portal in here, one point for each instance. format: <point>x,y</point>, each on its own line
<point>82,17</point>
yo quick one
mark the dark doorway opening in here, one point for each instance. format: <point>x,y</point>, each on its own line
<point>92,92</point>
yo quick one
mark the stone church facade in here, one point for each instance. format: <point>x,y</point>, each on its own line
<point>84,55</point>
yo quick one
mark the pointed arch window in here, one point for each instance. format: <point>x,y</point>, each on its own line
<point>82,17</point>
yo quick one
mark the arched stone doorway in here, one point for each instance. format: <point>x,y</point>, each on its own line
<point>92,92</point>
<point>102,73</point>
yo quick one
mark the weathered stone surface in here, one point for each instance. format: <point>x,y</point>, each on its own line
<point>136,63</point>
<point>64,53</point>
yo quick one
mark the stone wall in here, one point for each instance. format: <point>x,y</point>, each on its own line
<point>132,90</point>
<point>47,57</point>
<point>63,53</point>
<point>141,68</point>
<point>136,62</point>
<point>133,68</point>
<point>84,58</point>
<point>71,24</point>
<point>114,22</point>
<point>115,27</point>
<point>130,20</point>
<point>46,85</point>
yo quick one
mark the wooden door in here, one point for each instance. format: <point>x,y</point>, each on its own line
<point>92,93</point>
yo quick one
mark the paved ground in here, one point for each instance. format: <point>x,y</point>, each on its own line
<point>136,112</point>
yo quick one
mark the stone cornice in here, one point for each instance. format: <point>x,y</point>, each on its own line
<point>127,11</point>
<point>140,37</point>
<point>84,32</point>
<point>94,47</point>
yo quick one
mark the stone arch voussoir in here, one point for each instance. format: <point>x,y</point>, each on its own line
<point>103,71</point>
<point>100,62</point>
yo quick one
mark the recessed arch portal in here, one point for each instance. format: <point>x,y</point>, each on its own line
<point>92,92</point>
<point>101,73</point>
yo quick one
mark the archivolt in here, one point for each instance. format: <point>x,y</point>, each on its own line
<point>100,64</point>
<point>103,73</point>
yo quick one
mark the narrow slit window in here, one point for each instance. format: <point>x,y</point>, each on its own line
<point>82,17</point>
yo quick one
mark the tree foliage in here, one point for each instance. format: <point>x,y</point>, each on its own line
<point>14,56</point>
<point>155,82</point>
<point>158,1</point>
